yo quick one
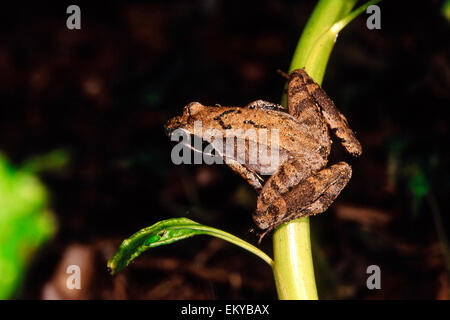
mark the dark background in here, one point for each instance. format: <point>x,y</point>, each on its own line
<point>104,92</point>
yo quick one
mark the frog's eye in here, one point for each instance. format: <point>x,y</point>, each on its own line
<point>193,107</point>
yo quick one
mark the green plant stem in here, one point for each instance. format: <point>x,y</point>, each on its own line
<point>325,14</point>
<point>293,265</point>
<point>293,268</point>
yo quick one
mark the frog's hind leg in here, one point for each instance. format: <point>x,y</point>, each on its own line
<point>301,104</point>
<point>251,177</point>
<point>287,177</point>
<point>344,173</point>
<point>311,196</point>
<point>335,119</point>
<point>304,108</point>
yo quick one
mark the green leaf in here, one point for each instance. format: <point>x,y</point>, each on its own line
<point>446,9</point>
<point>53,161</point>
<point>169,231</point>
<point>25,224</point>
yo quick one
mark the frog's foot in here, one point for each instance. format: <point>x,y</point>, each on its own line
<point>259,234</point>
<point>261,104</point>
<point>309,197</point>
<point>283,74</point>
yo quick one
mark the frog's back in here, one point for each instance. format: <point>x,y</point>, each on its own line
<point>306,138</point>
<point>295,138</point>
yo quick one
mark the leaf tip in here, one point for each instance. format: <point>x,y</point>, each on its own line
<point>111,267</point>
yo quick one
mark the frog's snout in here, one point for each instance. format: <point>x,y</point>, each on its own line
<point>167,130</point>
<point>172,124</point>
<point>189,115</point>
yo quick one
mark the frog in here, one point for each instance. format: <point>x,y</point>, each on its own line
<point>302,183</point>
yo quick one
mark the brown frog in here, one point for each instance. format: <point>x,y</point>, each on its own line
<point>302,184</point>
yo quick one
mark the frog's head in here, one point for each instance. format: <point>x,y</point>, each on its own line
<point>191,113</point>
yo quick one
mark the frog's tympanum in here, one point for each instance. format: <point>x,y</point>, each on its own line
<point>302,184</point>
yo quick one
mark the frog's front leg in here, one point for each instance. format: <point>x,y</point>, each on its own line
<point>310,196</point>
<point>251,177</point>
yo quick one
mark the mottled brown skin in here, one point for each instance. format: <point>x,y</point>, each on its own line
<point>302,185</point>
